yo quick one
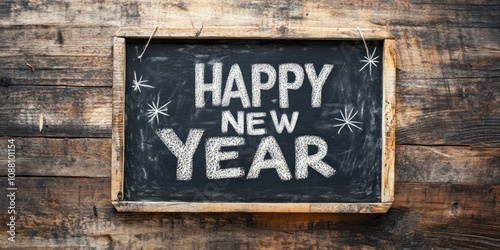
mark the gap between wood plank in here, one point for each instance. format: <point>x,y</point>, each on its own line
<point>447,145</point>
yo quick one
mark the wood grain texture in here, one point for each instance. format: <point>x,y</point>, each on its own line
<point>84,157</point>
<point>450,164</point>
<point>460,52</point>
<point>389,120</point>
<point>253,207</point>
<point>63,56</point>
<point>423,215</point>
<point>118,126</point>
<point>446,194</point>
<point>282,32</point>
<point>85,56</point>
<point>68,112</point>
<point>449,112</point>
<point>259,12</point>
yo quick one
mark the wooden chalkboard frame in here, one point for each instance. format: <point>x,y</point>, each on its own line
<point>282,33</point>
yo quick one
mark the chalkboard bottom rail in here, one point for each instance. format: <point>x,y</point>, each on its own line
<point>139,206</point>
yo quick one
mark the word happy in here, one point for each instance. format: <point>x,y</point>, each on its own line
<point>268,155</point>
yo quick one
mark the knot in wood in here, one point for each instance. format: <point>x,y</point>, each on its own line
<point>283,30</point>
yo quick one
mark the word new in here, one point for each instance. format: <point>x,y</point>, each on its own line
<point>235,80</point>
<point>254,119</point>
<point>184,152</point>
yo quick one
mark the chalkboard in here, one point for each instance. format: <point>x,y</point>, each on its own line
<point>247,121</point>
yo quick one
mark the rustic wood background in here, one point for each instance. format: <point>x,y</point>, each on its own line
<point>448,132</point>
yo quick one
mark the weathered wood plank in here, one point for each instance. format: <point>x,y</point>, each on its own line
<point>59,55</point>
<point>61,39</point>
<point>425,53</point>
<point>88,157</point>
<point>254,207</point>
<point>442,13</point>
<point>76,212</point>
<point>285,33</point>
<point>84,58</point>
<point>67,112</point>
<point>259,12</point>
<point>117,126</point>
<point>449,112</point>
<point>60,70</point>
<point>448,164</point>
<point>449,200</point>
<point>389,121</point>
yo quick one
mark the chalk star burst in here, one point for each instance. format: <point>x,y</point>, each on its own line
<point>370,60</point>
<point>347,120</point>
<point>137,84</point>
<point>155,110</point>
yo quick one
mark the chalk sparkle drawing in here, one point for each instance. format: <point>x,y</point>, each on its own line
<point>137,84</point>
<point>347,120</point>
<point>155,110</point>
<point>370,60</point>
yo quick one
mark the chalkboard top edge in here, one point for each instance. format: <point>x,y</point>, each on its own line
<point>207,207</point>
<point>282,33</point>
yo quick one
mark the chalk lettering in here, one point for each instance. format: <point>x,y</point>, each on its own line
<point>183,151</point>
<point>253,120</point>
<point>256,118</point>
<point>284,122</point>
<point>303,160</point>
<point>291,77</point>
<point>277,161</point>
<point>258,85</point>
<point>285,85</point>
<point>237,124</point>
<point>201,87</point>
<point>267,146</point>
<point>317,82</point>
<point>214,156</point>
<point>235,76</point>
